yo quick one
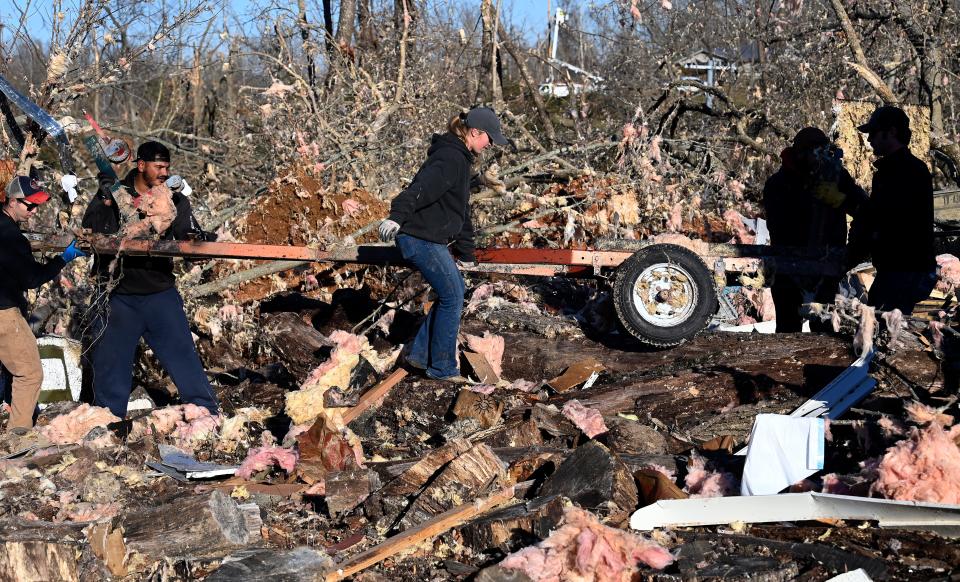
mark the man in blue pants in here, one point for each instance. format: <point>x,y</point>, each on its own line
<point>143,300</point>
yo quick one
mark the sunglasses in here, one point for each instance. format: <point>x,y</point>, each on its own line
<point>29,205</point>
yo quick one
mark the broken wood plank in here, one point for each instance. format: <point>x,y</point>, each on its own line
<point>652,486</point>
<point>576,374</point>
<point>516,433</point>
<point>632,437</point>
<point>374,395</point>
<point>514,526</point>
<point>482,369</point>
<point>201,525</point>
<point>425,531</point>
<point>465,477</point>
<point>300,564</point>
<point>298,343</point>
<point>415,477</point>
<point>486,410</point>
<point>39,551</point>
<point>348,489</point>
<point>549,419</point>
<point>593,477</point>
<point>107,544</point>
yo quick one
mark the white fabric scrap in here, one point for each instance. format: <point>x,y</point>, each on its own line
<point>783,450</point>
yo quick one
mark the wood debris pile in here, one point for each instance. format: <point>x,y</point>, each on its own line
<point>345,464</point>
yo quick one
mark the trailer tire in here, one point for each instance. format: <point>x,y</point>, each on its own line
<point>664,295</point>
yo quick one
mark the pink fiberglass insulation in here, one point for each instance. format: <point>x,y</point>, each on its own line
<point>346,341</point>
<point>891,427</point>
<point>663,470</point>
<point>936,332</point>
<point>949,275</point>
<point>73,426</point>
<point>523,385</point>
<point>589,420</point>
<point>919,413</point>
<point>701,482</point>
<point>585,550</point>
<point>735,222</point>
<point>832,483</point>
<point>188,434</point>
<point>261,458</point>
<point>164,420</point>
<point>347,344</point>
<point>491,347</point>
<point>923,467</point>
<point>863,339</point>
<point>895,324</point>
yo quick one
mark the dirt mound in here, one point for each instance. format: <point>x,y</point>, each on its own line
<point>301,210</point>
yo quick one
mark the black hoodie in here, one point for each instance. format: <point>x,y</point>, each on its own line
<point>436,205</point>
<point>19,271</point>
<point>139,275</point>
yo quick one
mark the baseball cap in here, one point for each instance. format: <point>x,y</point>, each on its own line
<point>810,138</point>
<point>484,119</point>
<point>886,117</point>
<point>27,188</point>
<point>153,151</point>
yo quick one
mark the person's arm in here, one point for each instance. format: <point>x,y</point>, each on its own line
<point>855,196</point>
<point>861,233</point>
<point>185,225</point>
<point>772,210</point>
<point>30,272</point>
<point>463,244</point>
<point>431,182</point>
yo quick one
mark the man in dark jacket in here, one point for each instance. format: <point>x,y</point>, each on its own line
<point>895,229</point>
<point>807,202</point>
<point>19,271</point>
<point>143,299</point>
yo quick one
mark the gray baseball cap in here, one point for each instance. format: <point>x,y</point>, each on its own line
<point>485,119</point>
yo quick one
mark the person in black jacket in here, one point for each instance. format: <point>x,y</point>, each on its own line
<point>19,271</point>
<point>895,229</point>
<point>807,202</point>
<point>143,299</point>
<point>432,213</point>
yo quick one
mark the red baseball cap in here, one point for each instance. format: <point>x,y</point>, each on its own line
<point>27,188</point>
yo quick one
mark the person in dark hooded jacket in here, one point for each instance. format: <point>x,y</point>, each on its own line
<point>807,202</point>
<point>430,218</point>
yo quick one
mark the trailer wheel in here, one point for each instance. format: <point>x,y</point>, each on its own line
<point>664,295</point>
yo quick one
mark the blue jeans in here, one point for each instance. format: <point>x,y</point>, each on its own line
<point>159,319</point>
<point>900,290</point>
<point>435,347</point>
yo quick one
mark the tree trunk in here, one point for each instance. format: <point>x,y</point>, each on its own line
<point>346,24</point>
<point>403,10</point>
<point>308,46</point>
<point>368,37</point>
<point>328,26</point>
<point>489,89</point>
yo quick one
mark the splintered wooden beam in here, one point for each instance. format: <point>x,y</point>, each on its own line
<point>421,533</point>
<point>373,395</point>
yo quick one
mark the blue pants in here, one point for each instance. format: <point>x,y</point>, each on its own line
<point>900,290</point>
<point>160,320</point>
<point>435,346</point>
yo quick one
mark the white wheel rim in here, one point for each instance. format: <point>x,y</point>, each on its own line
<point>665,295</point>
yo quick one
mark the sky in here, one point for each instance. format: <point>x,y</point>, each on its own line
<point>530,16</point>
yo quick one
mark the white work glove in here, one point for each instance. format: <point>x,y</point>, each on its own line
<point>388,230</point>
<point>468,264</point>
<point>69,184</point>
<point>178,184</point>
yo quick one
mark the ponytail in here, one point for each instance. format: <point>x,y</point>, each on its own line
<point>458,127</point>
